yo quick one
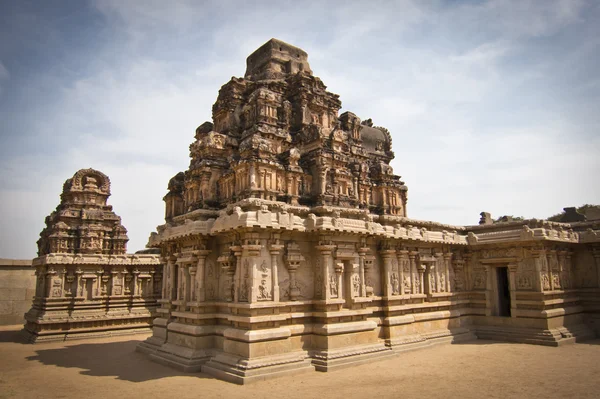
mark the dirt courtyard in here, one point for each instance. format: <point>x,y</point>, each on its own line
<point>479,369</point>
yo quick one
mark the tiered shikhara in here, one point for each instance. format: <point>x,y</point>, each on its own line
<point>277,136</point>
<point>86,284</point>
<point>287,245</point>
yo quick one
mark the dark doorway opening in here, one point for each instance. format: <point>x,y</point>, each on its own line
<point>503,291</point>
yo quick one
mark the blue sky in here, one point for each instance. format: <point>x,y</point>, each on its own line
<point>492,105</point>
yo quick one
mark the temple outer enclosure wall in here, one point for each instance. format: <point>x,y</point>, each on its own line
<point>17,288</point>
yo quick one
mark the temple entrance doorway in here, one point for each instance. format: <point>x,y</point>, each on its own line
<point>502,292</point>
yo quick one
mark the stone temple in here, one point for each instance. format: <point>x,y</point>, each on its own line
<point>287,247</point>
<point>86,285</point>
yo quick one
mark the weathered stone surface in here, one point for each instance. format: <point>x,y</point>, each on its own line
<point>17,280</point>
<point>287,246</point>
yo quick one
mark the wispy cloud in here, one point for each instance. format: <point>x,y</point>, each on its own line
<point>492,105</point>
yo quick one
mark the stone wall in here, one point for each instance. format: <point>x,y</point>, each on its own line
<point>17,288</point>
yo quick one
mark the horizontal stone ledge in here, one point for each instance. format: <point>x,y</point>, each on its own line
<point>257,335</point>
<point>190,329</point>
<point>344,328</point>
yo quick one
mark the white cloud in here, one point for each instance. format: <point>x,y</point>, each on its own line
<point>455,84</point>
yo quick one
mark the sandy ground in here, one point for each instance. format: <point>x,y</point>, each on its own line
<point>481,369</point>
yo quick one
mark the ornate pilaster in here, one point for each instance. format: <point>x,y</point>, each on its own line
<point>414,274</point>
<point>403,260</point>
<point>512,286</point>
<point>387,256</point>
<point>362,252</point>
<point>447,260</point>
<point>293,259</point>
<point>250,287</point>
<point>326,252</point>
<point>199,287</point>
<point>275,250</point>
<point>541,272</point>
<point>596,252</point>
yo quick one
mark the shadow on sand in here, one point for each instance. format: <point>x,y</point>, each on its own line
<point>15,336</point>
<point>118,359</point>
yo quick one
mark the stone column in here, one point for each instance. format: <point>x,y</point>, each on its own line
<point>387,255</point>
<point>429,269</point>
<point>549,259</point>
<point>421,270</point>
<point>468,269</point>
<point>136,276</point>
<point>512,286</point>
<point>165,288</point>
<point>561,255</point>
<point>488,290</point>
<point>402,255</point>
<point>447,260</point>
<point>569,266</point>
<point>438,272</point>
<point>361,270</point>
<point>326,252</point>
<point>250,253</point>
<point>237,277</point>
<point>80,283</point>
<point>596,252</point>
<point>173,272</point>
<point>200,275</point>
<point>537,256</point>
<point>339,270</point>
<point>413,271</point>
<point>252,177</point>
<point>191,294</point>
<point>275,250</point>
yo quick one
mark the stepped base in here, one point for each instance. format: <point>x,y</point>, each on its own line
<point>553,337</point>
<point>243,371</point>
<point>53,336</point>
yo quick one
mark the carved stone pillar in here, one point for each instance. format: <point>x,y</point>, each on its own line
<point>50,273</point>
<point>192,294</point>
<point>439,273</point>
<point>421,272</point>
<point>293,259</point>
<point>550,261</point>
<point>172,278</point>
<point>237,277</point>
<point>539,272</point>
<point>387,255</point>
<point>413,271</point>
<point>489,290</point>
<point>164,290</point>
<point>252,177</point>
<point>339,270</point>
<point>402,256</point>
<point>275,250</point>
<point>430,274</point>
<point>251,250</point>
<point>80,283</point>
<point>326,251</point>
<point>512,286</point>
<point>361,270</point>
<point>200,290</point>
<point>447,260</point>
<point>561,256</point>
<point>468,271</point>
<point>596,252</point>
<point>136,288</point>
